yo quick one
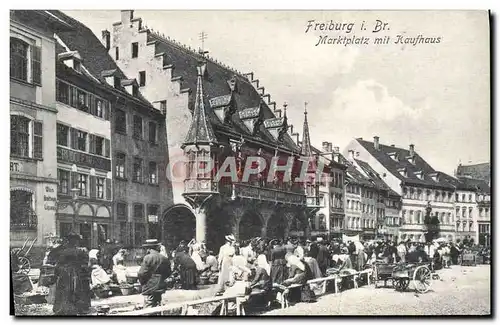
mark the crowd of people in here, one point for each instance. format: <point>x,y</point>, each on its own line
<point>261,265</point>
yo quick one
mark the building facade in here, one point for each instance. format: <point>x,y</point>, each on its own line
<point>411,177</point>
<point>120,139</point>
<point>213,112</point>
<point>33,114</point>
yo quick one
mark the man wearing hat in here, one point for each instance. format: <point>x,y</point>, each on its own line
<point>225,260</point>
<point>155,268</point>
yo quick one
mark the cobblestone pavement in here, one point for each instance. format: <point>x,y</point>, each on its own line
<point>461,291</point>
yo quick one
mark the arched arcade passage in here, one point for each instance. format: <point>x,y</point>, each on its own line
<point>250,226</point>
<point>179,223</point>
<point>277,226</point>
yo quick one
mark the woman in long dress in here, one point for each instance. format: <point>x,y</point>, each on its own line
<point>225,261</point>
<point>299,273</point>
<point>72,279</point>
<point>187,269</point>
<point>278,263</point>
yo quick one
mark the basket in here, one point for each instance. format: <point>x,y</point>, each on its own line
<point>131,279</point>
<point>30,300</point>
<point>127,290</point>
<point>138,288</point>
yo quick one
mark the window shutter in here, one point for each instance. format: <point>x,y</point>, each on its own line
<point>93,187</point>
<point>36,65</point>
<point>105,110</point>
<point>91,143</point>
<point>107,148</point>
<point>74,180</point>
<point>91,104</point>
<point>74,138</point>
<point>108,188</point>
<point>37,140</point>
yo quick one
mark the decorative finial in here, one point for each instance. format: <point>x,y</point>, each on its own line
<point>305,108</point>
<point>285,105</point>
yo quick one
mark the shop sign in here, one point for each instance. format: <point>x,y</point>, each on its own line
<point>49,199</point>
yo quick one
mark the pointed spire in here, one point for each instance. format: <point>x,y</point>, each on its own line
<point>306,140</point>
<point>200,130</point>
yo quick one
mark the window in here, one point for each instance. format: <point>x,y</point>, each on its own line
<point>470,197</point>
<point>82,184</point>
<point>121,121</point>
<point>121,210</point>
<point>81,140</point>
<point>135,91</point>
<point>120,165</point>
<point>117,83</point>
<point>99,108</point>
<point>153,173</point>
<point>63,181</point>
<point>142,78</point>
<point>152,132</point>
<point>96,145</point>
<point>135,50</point>
<point>152,211</point>
<point>82,101</point>
<point>463,197</point>
<point>138,211</point>
<point>163,107</point>
<point>117,53</point>
<point>22,58</point>
<point>137,127</point>
<point>62,92</point>
<point>19,136</point>
<point>62,135</point>
<point>22,216</point>
<point>100,187</point>
<point>457,197</point>
<point>140,234</point>
<point>137,175</point>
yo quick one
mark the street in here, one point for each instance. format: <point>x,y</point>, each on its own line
<point>462,291</point>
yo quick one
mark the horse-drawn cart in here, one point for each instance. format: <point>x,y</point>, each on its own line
<point>400,275</point>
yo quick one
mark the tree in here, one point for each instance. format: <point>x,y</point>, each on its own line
<point>431,224</point>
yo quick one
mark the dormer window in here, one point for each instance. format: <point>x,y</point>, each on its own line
<point>419,174</point>
<point>394,156</point>
<point>116,82</point>
<point>135,91</point>
<point>403,172</point>
<point>434,176</point>
<point>77,65</point>
<point>411,159</point>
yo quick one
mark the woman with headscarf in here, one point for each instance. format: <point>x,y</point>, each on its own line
<point>225,261</point>
<point>195,255</point>
<point>313,266</point>
<point>240,268</point>
<point>278,262</point>
<point>186,268</point>
<point>72,279</point>
<point>299,273</point>
<point>119,268</point>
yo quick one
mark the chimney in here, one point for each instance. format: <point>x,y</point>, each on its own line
<point>412,150</point>
<point>330,147</point>
<point>325,146</point>
<point>376,143</point>
<point>351,155</point>
<point>392,145</point>
<point>106,39</point>
<point>127,16</point>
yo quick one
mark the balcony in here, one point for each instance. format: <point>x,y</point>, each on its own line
<point>275,195</point>
<point>83,159</point>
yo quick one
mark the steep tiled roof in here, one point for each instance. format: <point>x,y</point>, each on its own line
<point>477,171</point>
<point>393,166</point>
<point>375,177</point>
<point>95,56</point>
<point>200,130</point>
<point>215,85</point>
<point>353,174</point>
<point>474,184</point>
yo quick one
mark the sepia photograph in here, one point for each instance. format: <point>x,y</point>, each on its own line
<point>250,163</point>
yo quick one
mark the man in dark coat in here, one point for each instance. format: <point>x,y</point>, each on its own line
<point>323,256</point>
<point>187,268</point>
<point>155,268</point>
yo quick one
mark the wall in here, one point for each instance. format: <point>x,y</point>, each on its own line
<point>159,87</point>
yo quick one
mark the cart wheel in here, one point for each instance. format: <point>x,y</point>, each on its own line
<point>422,279</point>
<point>401,284</point>
<point>24,265</point>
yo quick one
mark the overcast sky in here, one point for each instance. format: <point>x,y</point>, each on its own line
<point>435,96</point>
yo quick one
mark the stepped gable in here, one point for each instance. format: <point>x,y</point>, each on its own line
<point>382,155</point>
<point>375,177</point>
<point>183,60</point>
<point>94,55</point>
